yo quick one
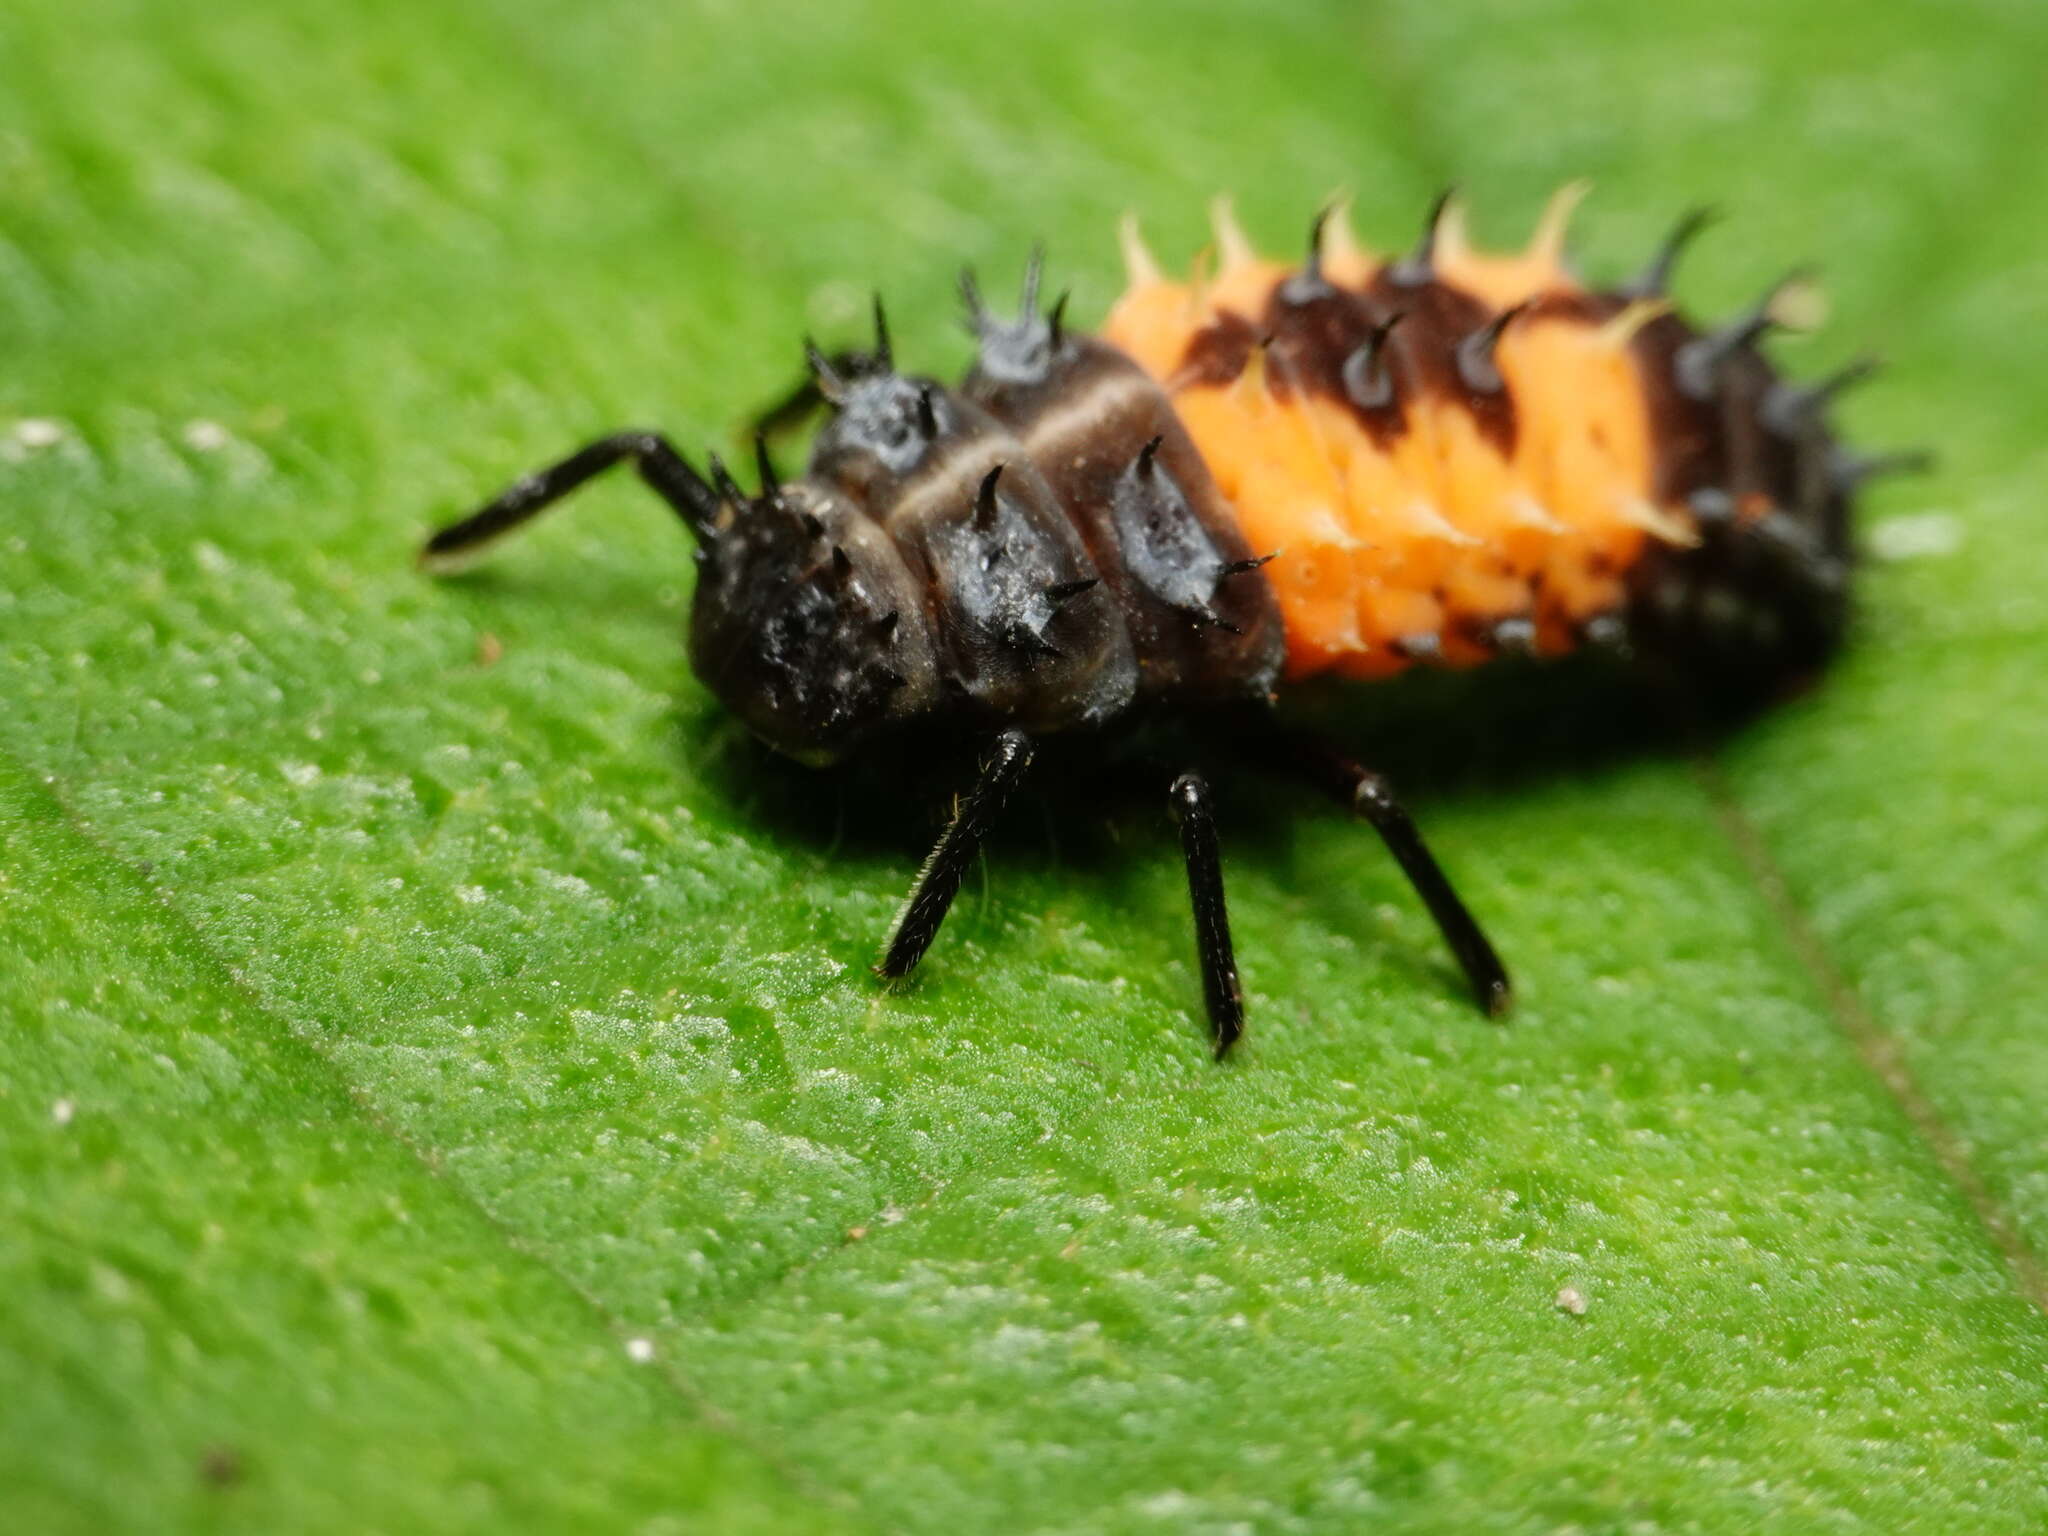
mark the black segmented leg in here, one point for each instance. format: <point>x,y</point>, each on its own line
<point>659,465</point>
<point>1373,798</point>
<point>1220,988</point>
<point>939,881</point>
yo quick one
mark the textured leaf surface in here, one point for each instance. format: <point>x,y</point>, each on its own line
<point>442,1086</point>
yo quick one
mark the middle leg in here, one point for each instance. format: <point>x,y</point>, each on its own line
<point>1221,990</point>
<point>939,881</point>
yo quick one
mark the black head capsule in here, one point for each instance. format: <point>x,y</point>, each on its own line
<point>799,622</point>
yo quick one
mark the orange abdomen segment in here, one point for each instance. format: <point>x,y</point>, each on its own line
<point>1430,491</point>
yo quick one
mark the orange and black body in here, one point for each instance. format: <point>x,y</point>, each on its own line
<point>1352,466</point>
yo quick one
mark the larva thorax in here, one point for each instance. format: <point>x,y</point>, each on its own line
<point>1043,547</point>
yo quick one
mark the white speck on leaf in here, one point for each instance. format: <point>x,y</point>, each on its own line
<point>640,1351</point>
<point>569,885</point>
<point>62,1111</point>
<point>1571,1299</point>
<point>301,774</point>
<point>205,436</point>
<point>1919,536</point>
<point>38,432</point>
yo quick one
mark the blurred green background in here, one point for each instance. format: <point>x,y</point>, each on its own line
<point>442,1088</point>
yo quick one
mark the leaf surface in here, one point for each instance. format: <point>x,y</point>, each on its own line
<point>443,1084</point>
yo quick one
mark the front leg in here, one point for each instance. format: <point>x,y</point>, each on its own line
<point>694,499</point>
<point>939,881</point>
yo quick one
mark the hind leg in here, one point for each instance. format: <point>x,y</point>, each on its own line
<point>1371,796</point>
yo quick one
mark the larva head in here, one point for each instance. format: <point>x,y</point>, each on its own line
<point>806,623</point>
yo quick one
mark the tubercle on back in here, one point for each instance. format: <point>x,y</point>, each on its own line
<point>1172,557</point>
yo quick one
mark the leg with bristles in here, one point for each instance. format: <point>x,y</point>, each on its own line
<point>1221,993</point>
<point>1372,797</point>
<point>939,881</point>
<point>657,460</point>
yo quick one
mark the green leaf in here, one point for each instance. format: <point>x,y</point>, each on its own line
<point>443,1086</point>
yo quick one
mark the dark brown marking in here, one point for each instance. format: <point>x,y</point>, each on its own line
<point>1317,329</point>
<point>1218,353</point>
<point>1423,351</point>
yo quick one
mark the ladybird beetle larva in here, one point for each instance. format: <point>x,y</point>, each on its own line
<point>1354,466</point>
